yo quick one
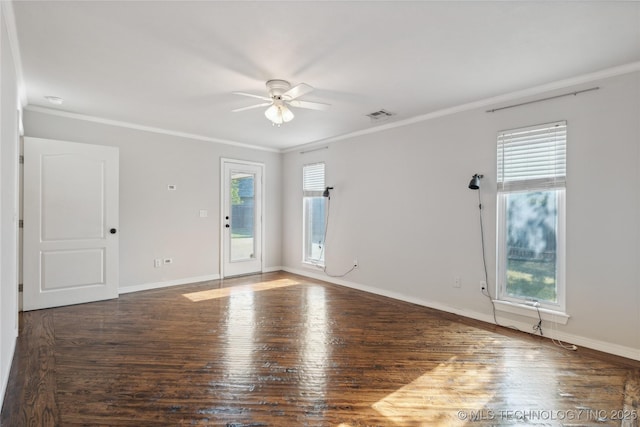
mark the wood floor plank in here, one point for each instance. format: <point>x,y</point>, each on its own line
<point>282,350</point>
<point>32,381</point>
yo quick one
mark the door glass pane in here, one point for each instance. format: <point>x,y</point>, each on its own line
<point>532,220</point>
<point>242,193</point>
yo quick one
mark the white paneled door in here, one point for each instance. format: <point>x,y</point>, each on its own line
<point>71,230</point>
<point>241,218</point>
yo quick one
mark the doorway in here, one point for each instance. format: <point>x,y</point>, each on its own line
<point>242,206</point>
<point>70,250</point>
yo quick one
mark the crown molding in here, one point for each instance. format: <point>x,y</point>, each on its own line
<point>10,21</point>
<point>488,102</point>
<point>128,125</point>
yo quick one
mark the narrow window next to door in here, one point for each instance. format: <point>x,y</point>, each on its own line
<point>314,213</point>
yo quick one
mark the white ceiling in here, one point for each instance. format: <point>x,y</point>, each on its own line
<point>174,64</point>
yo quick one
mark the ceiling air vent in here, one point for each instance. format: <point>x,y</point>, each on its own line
<point>380,115</point>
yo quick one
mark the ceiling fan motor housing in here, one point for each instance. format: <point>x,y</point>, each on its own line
<point>277,87</point>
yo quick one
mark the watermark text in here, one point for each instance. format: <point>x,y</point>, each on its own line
<point>599,415</point>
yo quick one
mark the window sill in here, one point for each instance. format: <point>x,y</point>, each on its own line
<point>308,264</point>
<point>529,311</point>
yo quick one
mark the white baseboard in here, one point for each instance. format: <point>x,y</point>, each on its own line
<point>581,341</point>
<point>272,269</point>
<point>166,284</point>
<point>186,281</point>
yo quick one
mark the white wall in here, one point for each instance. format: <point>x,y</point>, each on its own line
<point>8,205</point>
<point>402,207</point>
<point>156,223</point>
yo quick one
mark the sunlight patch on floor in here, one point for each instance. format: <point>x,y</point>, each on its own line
<point>225,292</point>
<point>438,397</point>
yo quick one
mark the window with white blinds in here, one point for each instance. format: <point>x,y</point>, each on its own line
<point>313,179</point>
<point>532,157</point>
<point>314,215</point>
<point>532,169</point>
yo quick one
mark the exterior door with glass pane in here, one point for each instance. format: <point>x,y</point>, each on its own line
<point>241,218</point>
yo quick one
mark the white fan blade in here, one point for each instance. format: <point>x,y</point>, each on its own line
<point>310,105</point>
<point>264,98</point>
<point>297,91</point>
<point>250,107</point>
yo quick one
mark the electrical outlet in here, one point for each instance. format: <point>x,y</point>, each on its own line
<point>355,263</point>
<point>168,260</point>
<point>457,282</point>
<point>157,263</point>
<point>483,285</point>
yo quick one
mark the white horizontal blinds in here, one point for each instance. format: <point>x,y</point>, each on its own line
<point>532,157</point>
<point>313,179</point>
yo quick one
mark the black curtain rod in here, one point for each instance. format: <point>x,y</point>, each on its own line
<point>544,99</point>
<point>314,149</point>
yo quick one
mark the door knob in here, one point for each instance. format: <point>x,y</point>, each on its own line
<point>113,231</point>
<point>227,225</point>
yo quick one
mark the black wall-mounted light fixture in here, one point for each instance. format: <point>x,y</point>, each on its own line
<point>474,184</point>
<point>326,192</point>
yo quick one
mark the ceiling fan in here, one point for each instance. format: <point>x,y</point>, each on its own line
<point>281,96</point>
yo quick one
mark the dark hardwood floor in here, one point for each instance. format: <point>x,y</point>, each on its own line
<point>282,350</point>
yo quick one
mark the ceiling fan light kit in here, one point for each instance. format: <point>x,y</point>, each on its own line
<point>281,95</point>
<point>279,114</point>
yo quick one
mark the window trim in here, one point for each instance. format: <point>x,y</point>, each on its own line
<point>313,193</point>
<point>555,316</point>
<point>307,260</point>
<point>530,159</point>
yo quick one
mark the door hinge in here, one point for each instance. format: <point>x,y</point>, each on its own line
<point>21,160</point>
<point>20,287</point>
<point>21,223</point>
